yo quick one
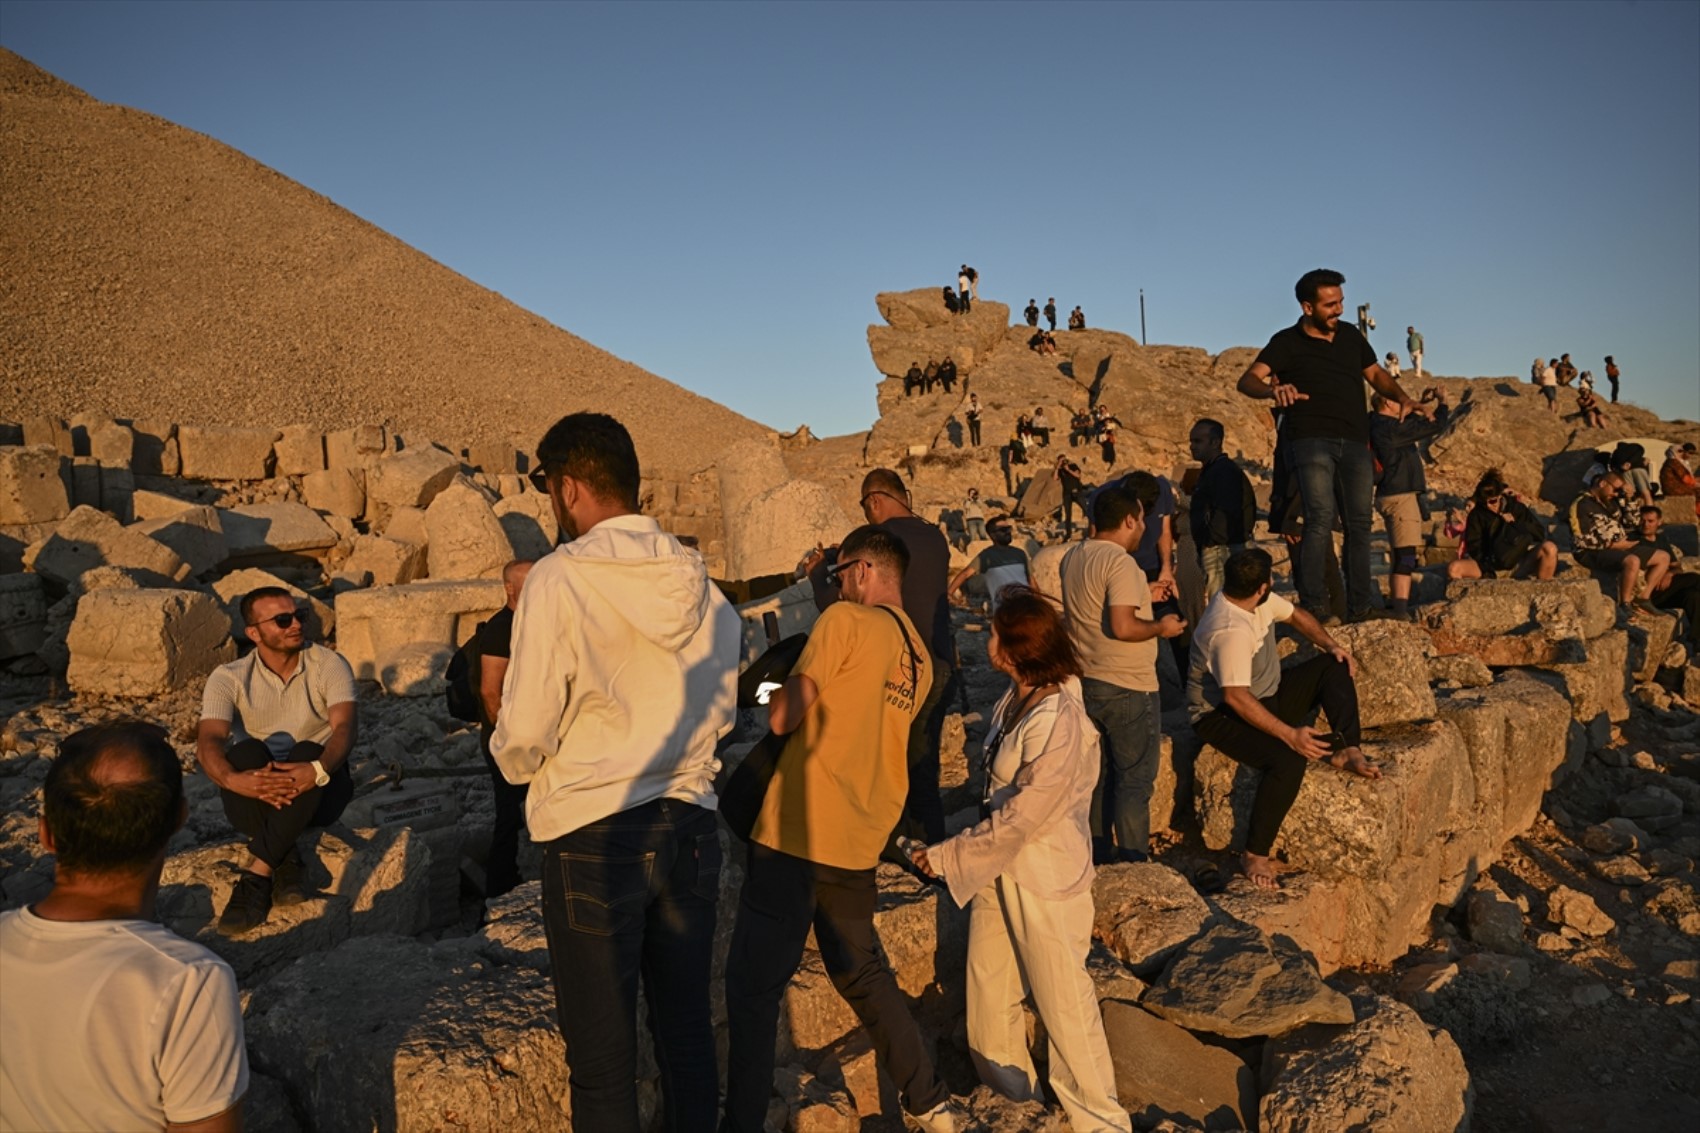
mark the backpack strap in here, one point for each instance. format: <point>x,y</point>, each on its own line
<point>908,645</point>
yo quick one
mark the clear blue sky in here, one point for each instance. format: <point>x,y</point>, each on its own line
<point>716,192</point>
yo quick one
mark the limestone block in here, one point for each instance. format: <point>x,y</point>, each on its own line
<point>1392,675</point>
<point>16,539</point>
<point>89,538</point>
<point>769,533</point>
<point>1508,622</point>
<point>356,448</point>
<point>465,539</point>
<point>744,470</point>
<point>1387,1070</point>
<point>415,669</point>
<point>232,587</point>
<point>513,927</point>
<point>1650,636</point>
<point>49,431</point>
<point>1163,1072</point>
<point>406,524</point>
<point>1597,683</point>
<point>496,456</point>
<point>924,934</point>
<point>372,622</point>
<point>157,505</point>
<point>299,449</point>
<point>113,445</point>
<point>145,642</point>
<point>212,452</point>
<point>387,561</point>
<point>1514,731</point>
<point>446,1037</point>
<point>154,448</point>
<point>336,491</point>
<point>118,493</point>
<point>195,534</point>
<point>31,490</point>
<point>85,481</point>
<point>528,520</point>
<point>1145,912</point>
<point>23,615</point>
<point>259,531</point>
<point>410,479</point>
<point>1308,910</point>
<point>1236,982</point>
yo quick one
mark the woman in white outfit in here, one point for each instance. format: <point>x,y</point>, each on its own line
<point>1026,873</point>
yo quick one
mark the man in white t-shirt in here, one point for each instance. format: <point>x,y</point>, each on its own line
<point>1107,607</point>
<point>1243,704</point>
<point>107,1019</point>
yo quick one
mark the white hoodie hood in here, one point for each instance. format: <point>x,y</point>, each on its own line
<point>622,678</point>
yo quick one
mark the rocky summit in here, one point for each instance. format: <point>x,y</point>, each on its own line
<point>1500,933</point>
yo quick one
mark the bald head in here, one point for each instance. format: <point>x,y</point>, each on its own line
<point>513,580</point>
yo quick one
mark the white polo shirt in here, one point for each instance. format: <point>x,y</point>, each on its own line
<point>259,705</point>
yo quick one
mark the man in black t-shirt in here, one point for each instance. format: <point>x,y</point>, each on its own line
<point>1031,313</point>
<point>1051,312</point>
<point>495,642</point>
<point>1315,371</point>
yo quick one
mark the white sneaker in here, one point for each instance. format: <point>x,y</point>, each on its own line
<point>942,1118</point>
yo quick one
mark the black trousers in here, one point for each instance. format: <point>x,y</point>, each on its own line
<point>782,898</point>
<point>272,831</point>
<point>923,810</point>
<point>1320,682</point>
<point>501,869</point>
<point>973,430</point>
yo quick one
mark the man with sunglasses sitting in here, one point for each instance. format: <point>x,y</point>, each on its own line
<point>276,728</point>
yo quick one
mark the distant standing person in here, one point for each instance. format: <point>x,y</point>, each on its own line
<point>1051,312</point>
<point>973,280</point>
<point>973,415</point>
<point>1395,432</point>
<point>1069,479</point>
<point>1549,385</point>
<point>1031,313</point>
<point>1414,347</point>
<point>1224,508</point>
<point>1315,371</point>
<point>110,1020</point>
<point>1612,375</point>
<point>974,517</point>
<point>964,287</point>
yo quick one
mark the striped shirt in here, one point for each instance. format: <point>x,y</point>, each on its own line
<point>258,704</point>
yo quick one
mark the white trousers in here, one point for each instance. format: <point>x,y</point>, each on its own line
<point>1417,362</point>
<point>1020,945</point>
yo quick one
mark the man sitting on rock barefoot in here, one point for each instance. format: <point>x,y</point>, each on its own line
<point>1246,706</point>
<point>276,728</point>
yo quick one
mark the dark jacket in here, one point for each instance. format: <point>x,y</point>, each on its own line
<point>1498,541</point>
<point>1223,506</point>
<point>1395,445</point>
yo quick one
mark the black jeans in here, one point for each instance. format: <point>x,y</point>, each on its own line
<point>501,868</point>
<point>633,894</point>
<point>1321,681</point>
<point>973,430</point>
<point>272,831</point>
<point>923,810</point>
<point>782,897</point>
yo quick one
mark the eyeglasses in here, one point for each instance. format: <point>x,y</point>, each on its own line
<point>871,495</point>
<point>835,572</point>
<point>539,478</point>
<point>282,621</point>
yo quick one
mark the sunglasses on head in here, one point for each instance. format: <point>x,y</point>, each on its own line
<point>282,621</point>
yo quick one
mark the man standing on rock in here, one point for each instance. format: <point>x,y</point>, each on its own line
<point>109,1020</point>
<point>276,729</point>
<point>1224,508</point>
<point>972,412</point>
<point>1414,347</point>
<point>886,503</point>
<point>848,710</point>
<point>963,287</point>
<point>622,679</point>
<point>495,648</point>
<point>1315,372</point>
<point>1396,434</point>
<point>1247,707</point>
<point>1031,313</point>
<point>1107,607</point>
<point>1051,312</point>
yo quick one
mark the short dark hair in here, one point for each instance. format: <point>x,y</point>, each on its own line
<point>1145,487</point>
<point>1112,505</point>
<point>597,451</point>
<point>101,820</point>
<point>1033,637</point>
<point>1315,280</point>
<point>259,594</point>
<point>1213,427</point>
<point>879,546</point>
<point>1492,483</point>
<point>1245,572</point>
<point>1653,509</point>
<point>887,481</point>
<point>1000,529</point>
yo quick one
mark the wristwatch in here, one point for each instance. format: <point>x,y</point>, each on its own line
<point>320,775</point>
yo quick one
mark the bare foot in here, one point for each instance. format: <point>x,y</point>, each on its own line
<point>1354,760</point>
<point>1263,872</point>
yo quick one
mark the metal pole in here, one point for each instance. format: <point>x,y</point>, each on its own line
<point>1143,341</point>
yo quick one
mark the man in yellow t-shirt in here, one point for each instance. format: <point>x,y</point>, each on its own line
<point>836,794</point>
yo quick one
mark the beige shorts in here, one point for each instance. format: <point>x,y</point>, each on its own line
<point>1404,519</point>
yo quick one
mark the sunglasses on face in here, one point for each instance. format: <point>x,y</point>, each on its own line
<point>835,572</point>
<point>539,479</point>
<point>282,621</point>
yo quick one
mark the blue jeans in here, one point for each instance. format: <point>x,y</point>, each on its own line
<point>1335,477</point>
<point>631,894</point>
<point>1131,726</point>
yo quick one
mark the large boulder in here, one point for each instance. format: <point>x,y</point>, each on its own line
<point>1164,1073</point>
<point>1145,912</point>
<point>210,452</point>
<point>23,615</point>
<point>1392,673</point>
<point>372,622</point>
<point>299,450</point>
<point>263,532</point>
<point>1515,731</point>
<point>528,520</point>
<point>1236,982</point>
<point>1387,1070</point>
<point>359,447</point>
<point>88,538</point>
<point>195,533</point>
<point>409,479</point>
<point>336,491</point>
<point>145,642</point>
<point>113,445</point>
<point>770,533</point>
<point>1508,622</point>
<point>31,490</point>
<point>388,561</point>
<point>466,539</point>
<point>231,588</point>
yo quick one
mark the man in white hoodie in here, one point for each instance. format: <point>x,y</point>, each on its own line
<point>622,677</point>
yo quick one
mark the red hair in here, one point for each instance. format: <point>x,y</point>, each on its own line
<point>1032,637</point>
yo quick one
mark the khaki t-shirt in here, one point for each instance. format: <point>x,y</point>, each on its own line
<point>1096,575</point>
<point>840,783</point>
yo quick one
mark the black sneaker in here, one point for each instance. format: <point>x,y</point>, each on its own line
<point>249,903</point>
<point>289,880</point>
